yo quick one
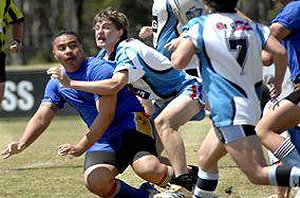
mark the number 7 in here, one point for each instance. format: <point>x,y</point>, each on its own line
<point>240,45</point>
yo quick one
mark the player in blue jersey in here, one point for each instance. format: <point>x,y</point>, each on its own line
<point>229,48</point>
<point>119,133</point>
<point>285,27</point>
<point>168,18</point>
<point>151,76</point>
<point>286,114</point>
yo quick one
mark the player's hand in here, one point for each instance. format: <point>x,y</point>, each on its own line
<point>69,149</point>
<point>12,149</point>
<point>15,46</point>
<point>275,90</point>
<point>173,44</point>
<point>145,32</point>
<point>59,74</point>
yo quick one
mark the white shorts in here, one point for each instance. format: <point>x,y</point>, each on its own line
<point>232,133</point>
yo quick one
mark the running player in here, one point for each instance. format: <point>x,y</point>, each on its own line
<point>229,48</point>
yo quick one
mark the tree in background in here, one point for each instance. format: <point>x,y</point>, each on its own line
<point>44,18</point>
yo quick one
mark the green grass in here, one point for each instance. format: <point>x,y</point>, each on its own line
<point>38,172</point>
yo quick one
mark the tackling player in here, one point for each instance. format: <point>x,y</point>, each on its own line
<point>177,95</point>
<point>119,133</point>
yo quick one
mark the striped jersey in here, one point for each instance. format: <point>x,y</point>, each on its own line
<point>229,48</point>
<point>9,14</point>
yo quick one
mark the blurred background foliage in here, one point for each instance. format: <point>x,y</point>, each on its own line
<point>44,18</point>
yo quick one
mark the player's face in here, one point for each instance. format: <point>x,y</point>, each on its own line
<point>68,51</point>
<point>107,35</point>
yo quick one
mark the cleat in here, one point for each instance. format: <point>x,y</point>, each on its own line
<point>194,172</point>
<point>185,180</point>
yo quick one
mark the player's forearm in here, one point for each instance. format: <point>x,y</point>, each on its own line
<point>37,125</point>
<point>95,133</point>
<point>33,130</point>
<point>103,87</point>
<point>280,62</point>
<point>279,55</point>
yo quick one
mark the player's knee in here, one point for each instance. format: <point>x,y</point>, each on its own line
<point>97,182</point>
<point>262,131</point>
<point>159,122</point>
<point>149,169</point>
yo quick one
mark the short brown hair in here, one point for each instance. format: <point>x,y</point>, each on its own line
<point>222,5</point>
<point>118,18</point>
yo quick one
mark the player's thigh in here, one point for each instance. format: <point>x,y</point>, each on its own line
<point>179,111</point>
<point>243,146</point>
<point>282,117</point>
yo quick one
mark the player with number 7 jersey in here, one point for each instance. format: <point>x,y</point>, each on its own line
<point>229,48</point>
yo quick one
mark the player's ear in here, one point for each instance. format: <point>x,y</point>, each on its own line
<point>54,54</point>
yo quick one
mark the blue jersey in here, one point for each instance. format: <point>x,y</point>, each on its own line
<point>93,69</point>
<point>150,73</point>
<point>289,18</point>
<point>229,48</point>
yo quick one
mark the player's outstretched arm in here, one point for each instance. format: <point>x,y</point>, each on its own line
<point>35,127</point>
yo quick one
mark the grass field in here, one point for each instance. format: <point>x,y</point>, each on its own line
<point>38,172</point>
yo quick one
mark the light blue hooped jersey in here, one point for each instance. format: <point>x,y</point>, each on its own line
<point>229,48</point>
